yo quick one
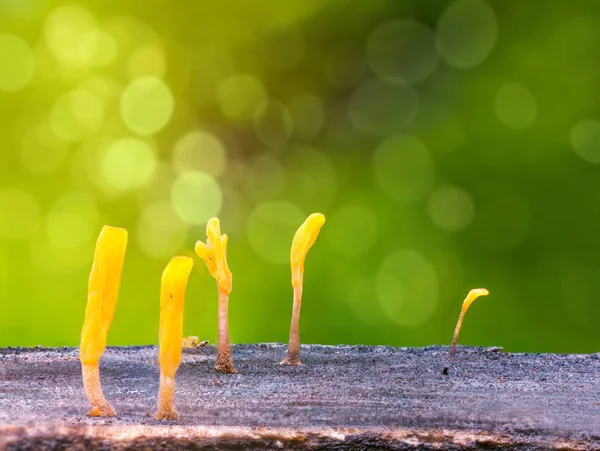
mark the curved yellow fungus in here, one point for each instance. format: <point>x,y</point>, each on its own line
<point>103,292</point>
<point>304,238</point>
<point>172,297</point>
<point>473,294</point>
<point>214,254</point>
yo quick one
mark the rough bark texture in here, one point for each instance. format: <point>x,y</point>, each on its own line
<point>344,397</point>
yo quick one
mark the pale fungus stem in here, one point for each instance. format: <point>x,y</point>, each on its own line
<point>224,360</point>
<point>473,294</point>
<point>103,292</point>
<point>293,357</point>
<point>172,297</point>
<point>304,238</point>
<point>166,398</point>
<point>93,390</point>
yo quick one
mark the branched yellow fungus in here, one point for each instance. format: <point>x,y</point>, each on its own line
<point>303,240</point>
<point>214,254</point>
<point>103,292</point>
<point>172,296</point>
<point>473,294</point>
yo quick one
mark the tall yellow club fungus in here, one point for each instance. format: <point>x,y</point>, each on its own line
<point>303,240</point>
<point>214,254</point>
<point>473,294</point>
<point>103,292</point>
<point>172,296</point>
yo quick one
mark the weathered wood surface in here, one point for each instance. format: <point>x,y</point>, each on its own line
<point>345,397</point>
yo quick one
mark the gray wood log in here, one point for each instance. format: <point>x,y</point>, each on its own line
<point>344,397</point>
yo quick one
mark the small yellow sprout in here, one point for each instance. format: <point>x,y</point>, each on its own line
<point>214,254</point>
<point>103,292</point>
<point>192,342</point>
<point>303,240</point>
<point>473,294</point>
<point>172,296</point>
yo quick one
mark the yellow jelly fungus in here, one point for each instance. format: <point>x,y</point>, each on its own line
<point>473,294</point>
<point>172,296</point>
<point>103,292</point>
<point>214,254</point>
<point>303,240</point>
<point>190,342</point>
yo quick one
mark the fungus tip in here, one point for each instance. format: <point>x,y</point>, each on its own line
<point>473,294</point>
<point>201,250</point>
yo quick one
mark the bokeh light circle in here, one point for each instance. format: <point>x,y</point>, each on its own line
<point>239,95</point>
<point>64,30</point>
<point>451,208</point>
<point>585,139</point>
<point>196,197</point>
<point>76,115</point>
<point>20,216</point>
<point>72,220</point>
<point>200,151</point>
<point>128,164</point>
<point>17,62</point>
<point>98,48</point>
<point>352,229</point>
<point>273,123</point>
<point>466,33</point>
<point>308,114</point>
<point>403,168</point>
<point>407,288</point>
<point>380,108</point>
<point>161,233</point>
<point>146,105</point>
<point>271,228</point>
<point>515,106</point>
<point>402,50</point>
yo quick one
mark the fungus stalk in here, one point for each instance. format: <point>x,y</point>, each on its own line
<point>103,292</point>
<point>224,360</point>
<point>473,294</point>
<point>172,296</point>
<point>214,254</point>
<point>304,238</point>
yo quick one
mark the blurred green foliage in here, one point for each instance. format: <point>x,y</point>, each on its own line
<point>451,145</point>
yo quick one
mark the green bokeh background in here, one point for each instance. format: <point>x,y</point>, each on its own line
<point>488,176</point>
